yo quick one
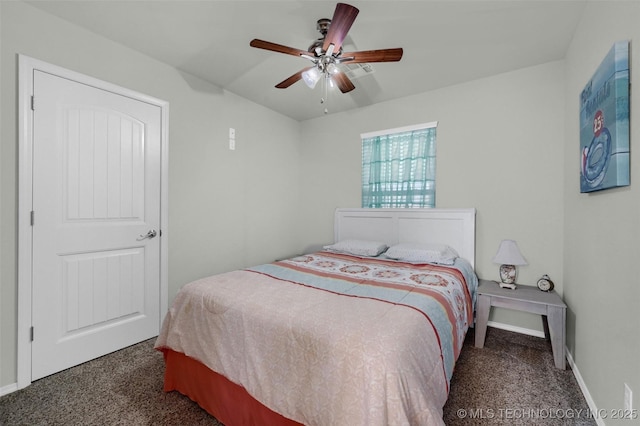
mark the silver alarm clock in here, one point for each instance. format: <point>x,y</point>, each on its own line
<point>545,283</point>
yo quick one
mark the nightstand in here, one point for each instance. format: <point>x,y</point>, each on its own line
<point>528,299</point>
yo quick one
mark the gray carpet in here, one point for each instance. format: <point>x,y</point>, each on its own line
<point>513,381</point>
<point>510,381</point>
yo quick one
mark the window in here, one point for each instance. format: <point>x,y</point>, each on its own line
<point>399,167</point>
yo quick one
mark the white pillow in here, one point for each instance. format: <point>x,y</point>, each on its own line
<point>430,253</point>
<point>358,247</point>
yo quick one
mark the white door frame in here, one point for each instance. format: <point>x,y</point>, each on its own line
<point>27,65</point>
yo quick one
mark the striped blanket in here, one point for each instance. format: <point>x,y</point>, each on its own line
<point>439,292</point>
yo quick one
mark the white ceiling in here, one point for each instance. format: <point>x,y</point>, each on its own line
<point>445,42</point>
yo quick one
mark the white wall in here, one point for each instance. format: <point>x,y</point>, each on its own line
<point>602,230</point>
<point>499,149</point>
<point>227,209</point>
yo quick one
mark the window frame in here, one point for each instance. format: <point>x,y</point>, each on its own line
<point>390,132</point>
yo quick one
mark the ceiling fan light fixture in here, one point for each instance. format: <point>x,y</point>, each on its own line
<point>332,69</point>
<point>311,77</point>
<point>326,53</point>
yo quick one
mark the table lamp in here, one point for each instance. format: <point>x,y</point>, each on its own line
<point>508,257</point>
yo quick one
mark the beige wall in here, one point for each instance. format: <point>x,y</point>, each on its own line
<point>507,145</point>
<point>602,230</point>
<point>227,209</point>
<point>500,150</point>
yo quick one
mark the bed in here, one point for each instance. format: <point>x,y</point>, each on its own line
<point>334,337</point>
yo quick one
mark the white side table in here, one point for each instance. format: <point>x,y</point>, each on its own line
<point>528,299</point>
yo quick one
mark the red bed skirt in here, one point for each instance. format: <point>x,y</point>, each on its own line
<point>228,402</point>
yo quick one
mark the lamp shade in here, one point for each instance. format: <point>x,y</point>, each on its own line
<point>509,254</point>
<point>311,77</point>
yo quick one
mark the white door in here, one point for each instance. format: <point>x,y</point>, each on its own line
<point>96,197</point>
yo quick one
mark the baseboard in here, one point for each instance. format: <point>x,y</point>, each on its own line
<point>6,390</point>
<point>572,364</point>
<point>583,387</point>
<point>516,329</point>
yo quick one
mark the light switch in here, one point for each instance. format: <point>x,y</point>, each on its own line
<point>232,133</point>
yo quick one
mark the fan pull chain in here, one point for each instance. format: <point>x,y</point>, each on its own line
<point>326,92</point>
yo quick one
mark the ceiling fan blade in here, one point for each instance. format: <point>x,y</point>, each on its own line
<point>274,47</point>
<point>294,78</point>
<point>341,22</point>
<point>342,81</point>
<point>382,55</point>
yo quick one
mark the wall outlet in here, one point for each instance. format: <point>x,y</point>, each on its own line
<point>628,398</point>
<point>232,144</point>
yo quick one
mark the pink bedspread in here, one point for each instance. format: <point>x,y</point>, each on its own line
<point>315,356</point>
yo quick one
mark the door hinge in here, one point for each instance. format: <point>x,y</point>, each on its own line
<point>31,333</point>
<point>33,103</point>
<point>33,217</point>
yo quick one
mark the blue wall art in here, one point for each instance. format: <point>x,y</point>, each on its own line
<point>604,123</point>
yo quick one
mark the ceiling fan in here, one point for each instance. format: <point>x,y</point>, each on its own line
<point>326,52</point>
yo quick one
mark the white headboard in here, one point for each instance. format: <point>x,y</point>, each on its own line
<point>454,227</point>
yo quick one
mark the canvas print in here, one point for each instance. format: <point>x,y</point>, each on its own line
<point>604,123</point>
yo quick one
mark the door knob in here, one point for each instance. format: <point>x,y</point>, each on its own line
<point>149,235</point>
